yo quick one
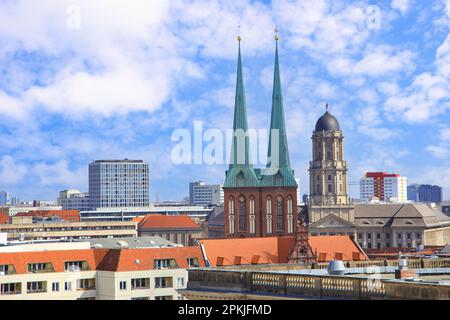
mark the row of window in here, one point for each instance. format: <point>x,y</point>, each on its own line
<point>144,283</point>
<point>41,286</point>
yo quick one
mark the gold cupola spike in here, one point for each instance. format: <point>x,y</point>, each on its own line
<point>239,39</point>
<point>277,34</point>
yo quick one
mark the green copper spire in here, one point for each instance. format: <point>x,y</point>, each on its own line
<point>240,148</point>
<point>240,172</point>
<point>277,123</point>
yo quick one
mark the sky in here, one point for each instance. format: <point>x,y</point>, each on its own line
<point>113,79</point>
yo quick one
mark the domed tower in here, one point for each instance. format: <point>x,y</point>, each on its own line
<point>328,172</point>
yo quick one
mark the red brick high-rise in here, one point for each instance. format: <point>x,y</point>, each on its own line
<point>260,202</point>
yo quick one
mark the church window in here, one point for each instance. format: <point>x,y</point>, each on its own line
<point>269,205</point>
<point>252,215</point>
<point>280,213</point>
<point>330,188</point>
<point>231,205</point>
<point>290,211</point>
<point>231,224</point>
<point>242,214</point>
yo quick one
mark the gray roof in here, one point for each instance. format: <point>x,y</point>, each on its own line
<point>217,217</point>
<point>399,215</point>
<point>130,242</point>
<point>327,122</point>
<point>446,249</point>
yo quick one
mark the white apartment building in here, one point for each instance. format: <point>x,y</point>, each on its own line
<point>71,271</point>
<point>73,199</point>
<point>384,187</point>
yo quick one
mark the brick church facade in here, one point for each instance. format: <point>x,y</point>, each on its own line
<point>260,202</point>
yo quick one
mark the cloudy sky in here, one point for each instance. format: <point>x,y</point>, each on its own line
<point>83,80</point>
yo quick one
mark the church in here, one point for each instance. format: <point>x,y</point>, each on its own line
<point>259,202</point>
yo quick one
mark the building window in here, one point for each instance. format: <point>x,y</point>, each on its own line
<point>231,224</point>
<point>269,205</point>
<point>85,284</point>
<point>163,298</point>
<point>399,236</point>
<point>408,236</point>
<point>36,286</point>
<point>122,285</point>
<point>193,262</point>
<point>165,264</point>
<point>242,214</point>
<point>252,215</point>
<point>419,235</point>
<point>359,235</point>
<point>140,283</point>
<point>280,213</point>
<point>11,288</point>
<point>329,177</point>
<point>369,245</point>
<point>68,286</point>
<point>330,188</point>
<point>388,235</point>
<point>75,265</point>
<point>180,282</point>
<point>378,236</point>
<point>40,267</point>
<point>55,286</point>
<point>163,282</point>
<point>231,205</point>
<point>369,236</point>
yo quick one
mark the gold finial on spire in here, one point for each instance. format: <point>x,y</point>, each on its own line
<point>239,34</point>
<point>277,34</point>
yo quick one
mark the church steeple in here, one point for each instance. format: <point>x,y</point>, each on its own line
<point>240,148</point>
<point>277,121</point>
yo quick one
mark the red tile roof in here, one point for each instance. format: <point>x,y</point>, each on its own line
<point>143,259</point>
<point>4,218</point>
<point>103,259</point>
<point>67,215</point>
<point>159,222</point>
<point>270,250</point>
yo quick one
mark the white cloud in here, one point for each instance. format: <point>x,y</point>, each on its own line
<point>439,152</point>
<point>11,172</point>
<point>59,173</point>
<point>401,5</point>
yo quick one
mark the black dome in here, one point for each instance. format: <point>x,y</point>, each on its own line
<point>327,122</point>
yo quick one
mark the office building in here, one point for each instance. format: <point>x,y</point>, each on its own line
<point>201,194</point>
<point>118,183</point>
<point>73,199</point>
<point>5,198</point>
<point>425,193</point>
<point>384,187</point>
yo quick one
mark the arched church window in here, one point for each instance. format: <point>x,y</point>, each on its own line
<point>269,205</point>
<point>231,205</point>
<point>242,214</point>
<point>280,213</point>
<point>252,215</point>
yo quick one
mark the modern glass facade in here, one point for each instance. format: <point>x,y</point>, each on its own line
<point>424,193</point>
<point>119,183</point>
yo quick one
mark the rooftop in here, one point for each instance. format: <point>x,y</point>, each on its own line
<point>158,222</point>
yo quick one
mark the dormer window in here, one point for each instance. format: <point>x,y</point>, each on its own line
<point>73,266</point>
<point>40,267</point>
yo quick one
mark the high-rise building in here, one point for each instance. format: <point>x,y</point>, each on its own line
<point>201,194</point>
<point>118,183</point>
<point>328,174</point>
<point>73,199</point>
<point>259,202</point>
<point>424,193</point>
<point>4,198</point>
<point>383,186</point>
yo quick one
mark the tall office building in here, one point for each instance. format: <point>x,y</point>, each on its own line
<point>201,194</point>
<point>118,183</point>
<point>4,198</point>
<point>424,193</point>
<point>383,186</point>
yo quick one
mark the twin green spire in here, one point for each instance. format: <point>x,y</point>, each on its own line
<point>241,172</point>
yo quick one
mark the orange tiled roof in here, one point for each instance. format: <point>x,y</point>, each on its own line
<point>270,250</point>
<point>103,259</point>
<point>4,218</point>
<point>334,246</point>
<point>143,259</point>
<point>67,215</point>
<point>20,260</point>
<point>157,221</point>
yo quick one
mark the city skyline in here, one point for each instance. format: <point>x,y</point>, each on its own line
<point>68,95</point>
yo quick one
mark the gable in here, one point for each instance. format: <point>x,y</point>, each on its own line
<point>332,221</point>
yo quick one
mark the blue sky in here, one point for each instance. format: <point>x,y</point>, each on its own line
<point>83,80</point>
